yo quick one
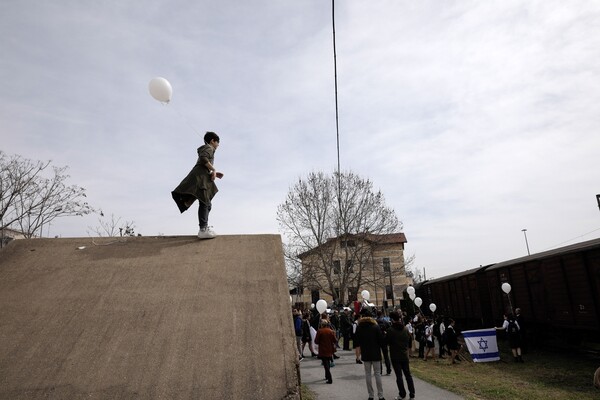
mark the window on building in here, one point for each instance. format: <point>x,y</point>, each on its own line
<point>388,292</point>
<point>336,267</point>
<point>348,243</point>
<point>314,296</point>
<point>352,294</point>
<point>386,265</point>
<point>349,266</point>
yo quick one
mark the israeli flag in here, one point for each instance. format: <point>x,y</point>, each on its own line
<point>482,344</point>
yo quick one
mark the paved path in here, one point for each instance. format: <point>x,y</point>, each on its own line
<point>349,381</point>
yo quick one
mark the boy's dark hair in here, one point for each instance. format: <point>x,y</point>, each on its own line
<point>395,316</point>
<point>365,312</point>
<point>209,136</point>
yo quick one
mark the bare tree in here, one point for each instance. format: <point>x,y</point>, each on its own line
<point>326,219</point>
<point>417,274</point>
<point>113,227</point>
<point>29,200</point>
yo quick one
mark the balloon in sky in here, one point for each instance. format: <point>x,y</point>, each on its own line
<point>365,295</point>
<point>160,89</point>
<point>321,306</point>
<point>432,307</point>
<point>506,288</point>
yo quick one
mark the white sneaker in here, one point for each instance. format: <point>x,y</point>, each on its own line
<point>206,233</point>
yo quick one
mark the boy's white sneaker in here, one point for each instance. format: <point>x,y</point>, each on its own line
<point>206,233</point>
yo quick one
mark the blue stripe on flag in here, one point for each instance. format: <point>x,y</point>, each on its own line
<point>479,333</point>
<point>485,355</point>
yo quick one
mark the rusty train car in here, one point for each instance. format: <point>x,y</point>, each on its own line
<point>558,292</point>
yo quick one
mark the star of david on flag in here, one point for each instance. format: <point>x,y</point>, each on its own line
<point>482,345</point>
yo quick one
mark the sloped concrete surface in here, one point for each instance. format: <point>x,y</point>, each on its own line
<point>146,318</point>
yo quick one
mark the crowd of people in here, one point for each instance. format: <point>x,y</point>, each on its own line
<point>386,340</point>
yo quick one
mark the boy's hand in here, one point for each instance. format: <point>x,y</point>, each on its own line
<point>219,175</point>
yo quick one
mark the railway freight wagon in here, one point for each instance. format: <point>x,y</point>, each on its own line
<point>558,292</point>
<point>463,296</point>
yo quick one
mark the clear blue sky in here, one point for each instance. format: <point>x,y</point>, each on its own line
<point>475,119</point>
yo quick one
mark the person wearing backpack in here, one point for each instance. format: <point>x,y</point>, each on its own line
<point>429,339</point>
<point>399,341</point>
<point>452,341</point>
<point>384,324</point>
<point>438,333</point>
<point>511,326</point>
<point>298,330</point>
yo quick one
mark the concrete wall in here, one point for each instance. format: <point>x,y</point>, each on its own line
<point>146,318</point>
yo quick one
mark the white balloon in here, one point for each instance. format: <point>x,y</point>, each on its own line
<point>312,305</point>
<point>365,295</point>
<point>432,307</point>
<point>410,290</point>
<point>321,306</point>
<point>412,296</point>
<point>506,288</point>
<point>418,302</point>
<point>160,89</point>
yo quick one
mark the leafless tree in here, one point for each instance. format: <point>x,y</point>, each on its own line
<point>417,274</point>
<point>326,218</point>
<point>29,199</point>
<point>113,227</point>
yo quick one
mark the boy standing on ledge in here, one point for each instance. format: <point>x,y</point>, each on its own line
<point>200,185</point>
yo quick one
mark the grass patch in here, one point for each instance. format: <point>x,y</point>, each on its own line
<point>545,375</point>
<point>306,393</point>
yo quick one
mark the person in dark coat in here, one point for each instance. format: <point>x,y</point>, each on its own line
<point>298,330</point>
<point>327,341</point>
<point>452,340</point>
<point>346,328</point>
<point>306,338</point>
<point>200,185</point>
<point>370,343</point>
<point>384,324</point>
<point>522,329</point>
<point>511,326</point>
<point>399,341</point>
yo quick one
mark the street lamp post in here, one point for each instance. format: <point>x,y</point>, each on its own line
<point>526,243</point>
<point>598,199</point>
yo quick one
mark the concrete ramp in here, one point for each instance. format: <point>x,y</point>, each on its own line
<point>146,318</point>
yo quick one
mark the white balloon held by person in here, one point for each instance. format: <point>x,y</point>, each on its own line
<point>418,302</point>
<point>321,306</point>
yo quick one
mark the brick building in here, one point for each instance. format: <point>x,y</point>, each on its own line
<point>355,263</point>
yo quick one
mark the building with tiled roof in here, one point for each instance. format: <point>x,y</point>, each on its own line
<point>373,262</point>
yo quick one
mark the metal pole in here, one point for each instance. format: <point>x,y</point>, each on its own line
<point>337,125</point>
<point>598,199</point>
<point>392,286</point>
<point>526,242</point>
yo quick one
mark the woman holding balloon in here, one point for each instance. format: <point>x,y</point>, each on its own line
<point>512,328</point>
